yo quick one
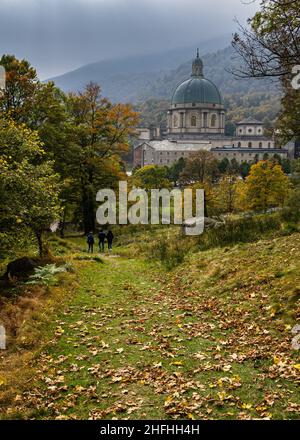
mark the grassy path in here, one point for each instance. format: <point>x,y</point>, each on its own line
<point>137,342</point>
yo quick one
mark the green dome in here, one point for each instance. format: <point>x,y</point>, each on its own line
<point>197,89</point>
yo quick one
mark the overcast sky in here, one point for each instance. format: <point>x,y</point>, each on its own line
<point>60,35</point>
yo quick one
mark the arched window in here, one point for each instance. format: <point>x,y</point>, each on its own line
<point>260,145</point>
<point>213,121</point>
<point>193,121</point>
<point>175,121</point>
<point>269,144</point>
<point>249,144</point>
<point>239,145</point>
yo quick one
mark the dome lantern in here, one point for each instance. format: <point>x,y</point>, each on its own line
<point>197,67</point>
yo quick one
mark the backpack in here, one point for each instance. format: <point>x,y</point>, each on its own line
<point>90,239</point>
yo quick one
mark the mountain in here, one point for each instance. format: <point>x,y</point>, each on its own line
<point>148,82</point>
<point>126,79</point>
<point>217,68</point>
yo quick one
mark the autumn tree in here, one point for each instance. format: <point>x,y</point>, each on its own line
<point>270,47</point>
<point>16,100</point>
<point>101,133</point>
<point>266,186</point>
<point>151,177</point>
<point>201,166</point>
<point>29,190</point>
<point>225,193</point>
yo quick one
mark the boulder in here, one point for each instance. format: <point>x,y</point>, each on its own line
<point>20,267</point>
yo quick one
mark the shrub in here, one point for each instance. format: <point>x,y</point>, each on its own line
<point>244,230</point>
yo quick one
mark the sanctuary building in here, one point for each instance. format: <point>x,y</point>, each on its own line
<point>196,121</point>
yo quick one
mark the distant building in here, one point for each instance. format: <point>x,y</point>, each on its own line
<point>196,121</point>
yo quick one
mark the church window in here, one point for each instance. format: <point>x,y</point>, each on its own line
<point>249,144</point>
<point>213,121</point>
<point>193,121</point>
<point>249,130</point>
<point>175,121</point>
<point>260,145</point>
<point>239,145</point>
<point>269,144</point>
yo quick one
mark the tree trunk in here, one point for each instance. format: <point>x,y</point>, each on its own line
<point>40,243</point>
<point>88,211</point>
<point>62,224</point>
<point>205,206</point>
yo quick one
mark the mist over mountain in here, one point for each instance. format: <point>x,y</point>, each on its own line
<point>126,79</point>
<point>149,81</point>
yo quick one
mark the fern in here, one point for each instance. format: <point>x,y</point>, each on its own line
<point>45,274</point>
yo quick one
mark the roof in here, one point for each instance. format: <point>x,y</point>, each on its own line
<point>167,145</point>
<point>249,121</point>
<point>249,150</point>
<point>197,90</point>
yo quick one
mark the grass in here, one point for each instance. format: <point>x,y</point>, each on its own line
<point>210,339</point>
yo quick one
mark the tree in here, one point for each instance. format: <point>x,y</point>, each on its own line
<point>200,167</point>
<point>266,186</point>
<point>224,165</point>
<point>286,165</point>
<point>175,170</point>
<point>101,133</point>
<point>270,47</point>
<point>245,169</point>
<point>29,189</point>
<point>234,167</point>
<point>225,193</point>
<point>16,101</point>
<point>291,209</point>
<point>151,177</point>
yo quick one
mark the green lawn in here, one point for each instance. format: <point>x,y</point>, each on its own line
<point>210,339</point>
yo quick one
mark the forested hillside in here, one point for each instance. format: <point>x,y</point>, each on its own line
<point>262,106</point>
<point>148,81</point>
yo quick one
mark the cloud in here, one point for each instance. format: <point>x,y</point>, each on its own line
<point>58,35</point>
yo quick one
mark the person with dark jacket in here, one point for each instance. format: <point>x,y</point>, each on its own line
<point>110,237</point>
<point>102,238</point>
<point>90,241</point>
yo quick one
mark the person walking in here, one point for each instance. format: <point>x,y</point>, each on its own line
<point>110,237</point>
<point>90,241</point>
<point>102,238</point>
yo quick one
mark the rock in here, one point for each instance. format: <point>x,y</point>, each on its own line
<point>21,266</point>
<point>209,223</point>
